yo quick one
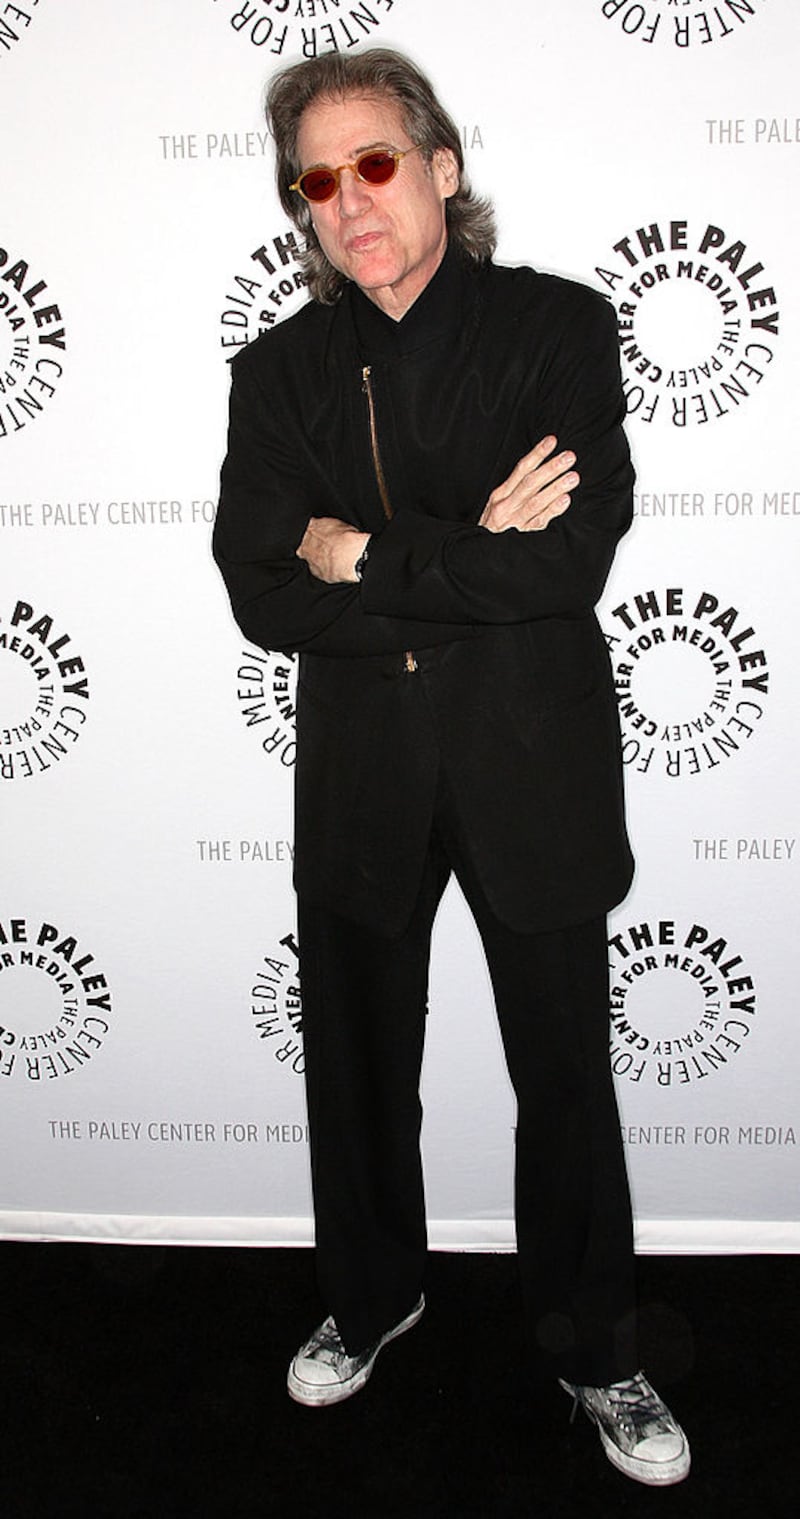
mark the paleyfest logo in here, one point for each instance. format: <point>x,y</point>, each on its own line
<point>686,23</point>
<point>683,1003</point>
<point>271,288</point>
<point>698,321</point>
<point>44,693</point>
<point>691,680</point>
<point>55,1003</point>
<point>276,1008</point>
<point>305,27</point>
<point>32,343</point>
<point>266,686</point>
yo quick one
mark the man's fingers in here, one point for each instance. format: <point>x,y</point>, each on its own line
<point>523,504</point>
<point>541,519</point>
<point>542,474</point>
<point>543,499</point>
<point>536,490</point>
<point>523,466</point>
<point>534,472</point>
<point>536,456</point>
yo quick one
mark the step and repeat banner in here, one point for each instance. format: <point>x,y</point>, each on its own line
<point>151,1044</point>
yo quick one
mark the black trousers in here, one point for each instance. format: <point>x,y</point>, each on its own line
<point>364,1010</point>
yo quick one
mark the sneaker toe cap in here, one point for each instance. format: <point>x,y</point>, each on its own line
<point>314,1373</point>
<point>661,1448</point>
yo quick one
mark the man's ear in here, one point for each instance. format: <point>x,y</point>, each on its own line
<point>445,170</point>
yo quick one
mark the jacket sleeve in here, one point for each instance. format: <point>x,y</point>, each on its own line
<point>266,499</point>
<point>427,568</point>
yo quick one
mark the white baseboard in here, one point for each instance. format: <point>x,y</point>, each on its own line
<point>666,1236</point>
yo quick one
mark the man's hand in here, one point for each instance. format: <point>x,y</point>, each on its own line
<point>536,491</point>
<point>331,548</point>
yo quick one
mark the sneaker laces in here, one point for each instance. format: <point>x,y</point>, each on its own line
<point>326,1345</point>
<point>634,1403</point>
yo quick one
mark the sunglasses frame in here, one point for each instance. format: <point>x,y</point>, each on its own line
<point>396,154</point>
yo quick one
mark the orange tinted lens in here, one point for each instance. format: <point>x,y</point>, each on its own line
<point>376,168</point>
<point>318,184</point>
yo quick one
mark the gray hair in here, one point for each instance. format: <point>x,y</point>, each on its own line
<point>381,72</point>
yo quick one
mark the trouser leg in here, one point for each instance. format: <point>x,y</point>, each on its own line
<point>572,1201</point>
<point>364,1008</point>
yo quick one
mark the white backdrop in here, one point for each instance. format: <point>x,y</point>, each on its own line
<point>150,1016</point>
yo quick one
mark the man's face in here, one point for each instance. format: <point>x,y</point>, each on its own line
<point>388,238</point>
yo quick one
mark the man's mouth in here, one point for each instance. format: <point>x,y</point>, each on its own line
<point>363,241</point>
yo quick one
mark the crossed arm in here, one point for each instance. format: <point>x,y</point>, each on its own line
<point>430,580</point>
<point>536,491</point>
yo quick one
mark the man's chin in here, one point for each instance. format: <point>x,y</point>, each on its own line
<point>371,269</point>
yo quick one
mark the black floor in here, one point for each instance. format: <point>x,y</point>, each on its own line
<point>151,1383</point>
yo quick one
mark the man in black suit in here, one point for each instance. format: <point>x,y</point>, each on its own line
<point>396,506</point>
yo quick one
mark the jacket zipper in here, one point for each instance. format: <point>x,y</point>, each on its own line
<point>409,662</point>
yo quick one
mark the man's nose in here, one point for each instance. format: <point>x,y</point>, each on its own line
<point>354,195</point>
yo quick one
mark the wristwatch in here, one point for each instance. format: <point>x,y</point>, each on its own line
<point>358,567</point>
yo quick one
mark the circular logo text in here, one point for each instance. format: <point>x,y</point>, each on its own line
<point>698,321</point>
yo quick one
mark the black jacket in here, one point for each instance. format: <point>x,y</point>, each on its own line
<point>513,664</point>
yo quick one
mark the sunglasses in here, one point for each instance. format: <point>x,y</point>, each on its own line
<point>374,168</point>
